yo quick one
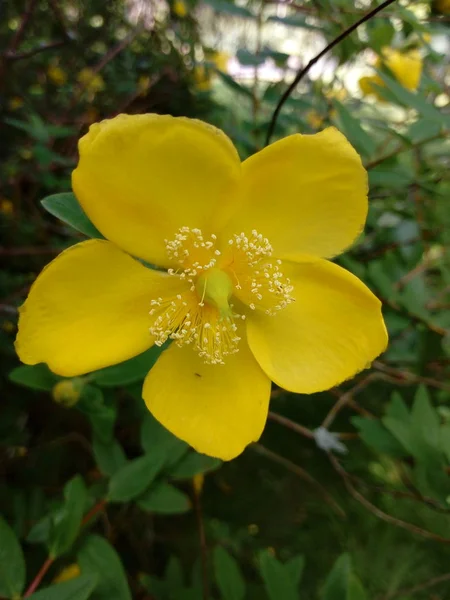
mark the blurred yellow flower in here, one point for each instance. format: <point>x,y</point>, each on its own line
<point>180,8</point>
<point>56,75</point>
<point>6,207</point>
<point>69,572</point>
<point>240,310</point>
<point>143,84</point>
<point>15,103</point>
<point>202,78</point>
<point>406,67</point>
<point>314,119</point>
<point>204,73</point>
<point>91,81</point>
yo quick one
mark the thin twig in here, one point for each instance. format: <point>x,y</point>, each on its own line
<point>377,511</point>
<point>400,149</point>
<point>290,466</point>
<point>301,74</point>
<point>348,396</point>
<point>40,575</point>
<point>291,425</point>
<point>203,546</point>
<point>418,588</point>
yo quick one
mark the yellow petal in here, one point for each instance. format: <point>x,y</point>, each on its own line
<point>217,409</point>
<point>405,66</point>
<point>306,193</point>
<point>142,177</point>
<point>88,309</point>
<point>333,330</point>
<point>368,89</point>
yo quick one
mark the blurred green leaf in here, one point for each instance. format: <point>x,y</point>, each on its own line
<point>224,6</point>
<point>109,456</point>
<point>66,522</point>
<point>378,437</point>
<point>80,588</point>
<point>135,477</point>
<point>228,575</point>
<point>12,563</point>
<point>155,438</point>
<point>425,421</point>
<point>342,583</point>
<point>66,207</point>
<point>164,498</point>
<point>351,127</point>
<point>294,568</point>
<point>35,377</point>
<point>276,578</point>
<point>98,558</point>
<point>193,464</point>
<point>130,371</point>
<point>101,415</point>
<point>411,99</point>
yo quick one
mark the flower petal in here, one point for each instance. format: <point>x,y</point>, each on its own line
<point>88,309</point>
<point>306,193</point>
<point>217,409</point>
<point>333,330</point>
<point>142,177</point>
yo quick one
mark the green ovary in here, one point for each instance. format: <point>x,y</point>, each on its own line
<point>215,287</point>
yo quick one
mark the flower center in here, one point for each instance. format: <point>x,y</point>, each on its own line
<point>204,314</point>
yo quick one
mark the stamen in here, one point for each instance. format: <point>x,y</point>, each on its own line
<point>202,315</point>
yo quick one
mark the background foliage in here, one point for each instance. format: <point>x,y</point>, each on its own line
<point>346,496</point>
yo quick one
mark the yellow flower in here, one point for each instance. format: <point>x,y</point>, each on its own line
<point>15,103</point>
<point>91,81</point>
<point>68,573</point>
<point>314,119</point>
<point>246,294</point>
<point>56,75</point>
<point>220,60</point>
<point>406,67</point>
<point>197,483</point>
<point>143,84</point>
<point>202,78</point>
<point>180,9</point>
<point>6,207</point>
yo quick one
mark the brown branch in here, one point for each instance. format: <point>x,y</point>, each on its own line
<point>304,71</point>
<point>290,466</point>
<point>291,425</point>
<point>377,512</point>
<point>399,150</point>
<point>19,56</point>
<point>40,575</point>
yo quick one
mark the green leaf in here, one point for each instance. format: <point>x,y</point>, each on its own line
<point>12,563</point>
<point>411,99</point>
<point>66,522</point>
<point>97,557</point>
<point>35,377</point>
<point>135,477</point>
<point>234,85</point>
<point>294,568</point>
<point>130,371</point>
<point>109,456</point>
<point>164,498</point>
<point>362,141</point>
<point>295,21</point>
<point>67,208</point>
<point>277,582</point>
<point>194,464</point>
<point>102,416</point>
<point>229,578</point>
<point>425,421</point>
<point>337,581</point>
<point>80,588</point>
<point>377,437</point>
<point>355,589</point>
<point>156,439</point>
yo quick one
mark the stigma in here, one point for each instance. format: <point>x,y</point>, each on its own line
<point>241,274</point>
